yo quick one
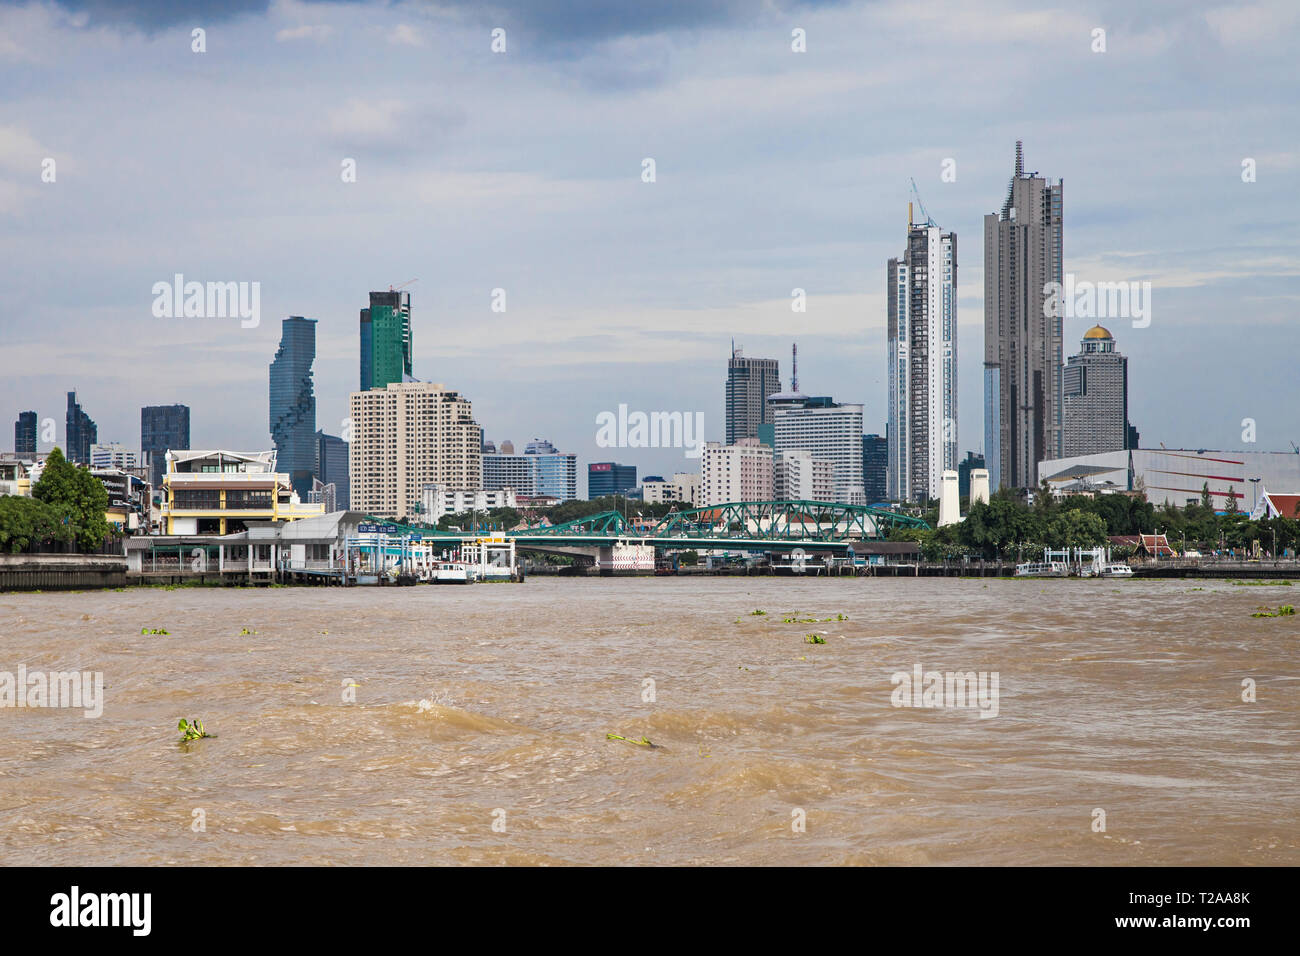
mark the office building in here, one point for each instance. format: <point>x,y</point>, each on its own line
<point>1095,386</point>
<point>386,340</point>
<point>798,476</point>
<point>439,500</point>
<point>875,468</point>
<point>407,435</point>
<point>541,471</point>
<point>922,362</point>
<point>81,432</point>
<point>749,382</point>
<point>115,455</point>
<point>1022,330</point>
<point>739,472</point>
<point>332,467</point>
<point>972,462</point>
<point>25,435</point>
<point>831,432</point>
<point>609,478</point>
<point>218,492</point>
<point>163,428</point>
<point>293,403</point>
<point>683,487</point>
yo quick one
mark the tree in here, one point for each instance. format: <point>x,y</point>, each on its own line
<point>26,521</point>
<point>1205,495</point>
<point>77,497</point>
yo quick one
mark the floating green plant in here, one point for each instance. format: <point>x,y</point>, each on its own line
<point>245,631</point>
<point>1286,610</point>
<point>192,730</point>
<point>643,742</point>
<point>154,630</point>
<point>757,613</point>
<point>1261,584</point>
<point>814,639</point>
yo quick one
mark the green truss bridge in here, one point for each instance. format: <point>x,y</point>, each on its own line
<point>737,525</point>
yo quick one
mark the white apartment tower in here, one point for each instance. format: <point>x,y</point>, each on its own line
<point>407,435</point>
<point>922,328</point>
<point>739,472</point>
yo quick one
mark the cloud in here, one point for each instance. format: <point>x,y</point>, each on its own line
<point>316,33</point>
<point>405,35</point>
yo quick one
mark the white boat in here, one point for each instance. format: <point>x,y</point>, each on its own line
<point>1116,571</point>
<point>1042,569</point>
<point>452,572</point>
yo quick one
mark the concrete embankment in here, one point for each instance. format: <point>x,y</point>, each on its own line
<point>61,572</point>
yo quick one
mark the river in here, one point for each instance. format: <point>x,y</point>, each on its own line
<point>478,730</point>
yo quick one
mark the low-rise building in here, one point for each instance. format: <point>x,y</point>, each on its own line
<point>438,500</point>
<point>683,487</point>
<point>218,492</point>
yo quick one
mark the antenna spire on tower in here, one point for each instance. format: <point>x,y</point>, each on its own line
<point>1020,157</point>
<point>794,368</point>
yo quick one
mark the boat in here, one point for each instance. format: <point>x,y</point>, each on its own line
<point>452,572</point>
<point>1116,571</point>
<point>1042,569</point>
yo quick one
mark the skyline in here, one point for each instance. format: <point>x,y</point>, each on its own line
<point>522,171</point>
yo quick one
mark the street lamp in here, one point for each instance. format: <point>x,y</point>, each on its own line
<point>1255,498</point>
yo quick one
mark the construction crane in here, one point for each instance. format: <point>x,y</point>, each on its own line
<point>1296,447</point>
<point>394,288</point>
<point>929,221</point>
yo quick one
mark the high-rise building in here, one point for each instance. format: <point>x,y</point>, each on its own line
<point>386,339</point>
<point>1095,386</point>
<point>293,403</point>
<point>831,432</point>
<point>875,468</point>
<point>1022,331</point>
<point>739,472</point>
<point>922,358</point>
<point>332,467</point>
<point>163,428</point>
<point>970,463</point>
<point>114,455</point>
<point>25,434</point>
<point>798,476</point>
<point>81,432</point>
<point>541,471</point>
<point>609,478</point>
<point>749,382</point>
<point>407,435</point>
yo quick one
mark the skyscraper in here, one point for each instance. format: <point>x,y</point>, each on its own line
<point>875,468</point>
<point>749,383</point>
<point>386,341</point>
<point>163,427</point>
<point>81,432</point>
<point>1095,386</point>
<point>25,434</point>
<point>922,357</point>
<point>542,470</point>
<point>831,432</point>
<point>293,403</point>
<point>332,467</point>
<point>407,435</point>
<point>1022,338</point>
<point>609,478</point>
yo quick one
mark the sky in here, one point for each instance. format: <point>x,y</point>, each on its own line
<point>522,171</point>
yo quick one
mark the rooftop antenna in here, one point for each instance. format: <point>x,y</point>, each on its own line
<point>1020,158</point>
<point>794,369</point>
